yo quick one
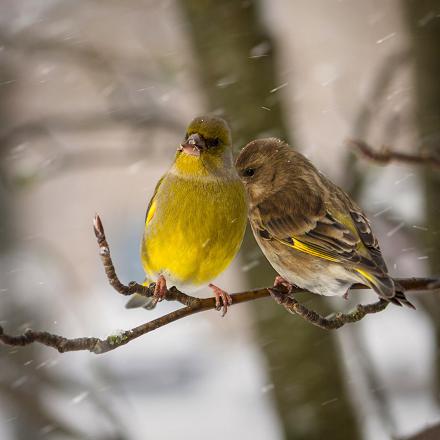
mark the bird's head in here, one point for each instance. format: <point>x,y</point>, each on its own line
<point>206,136</point>
<point>206,148</point>
<point>264,165</point>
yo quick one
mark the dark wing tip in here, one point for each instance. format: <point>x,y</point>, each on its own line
<point>403,300</point>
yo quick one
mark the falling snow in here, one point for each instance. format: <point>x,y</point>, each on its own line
<point>395,229</point>
<point>80,397</point>
<point>386,38</point>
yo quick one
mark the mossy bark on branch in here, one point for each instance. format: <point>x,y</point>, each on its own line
<point>236,65</point>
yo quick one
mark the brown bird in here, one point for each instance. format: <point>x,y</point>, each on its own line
<point>313,234</point>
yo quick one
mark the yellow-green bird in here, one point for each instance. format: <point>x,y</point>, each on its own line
<point>196,219</point>
<point>313,234</point>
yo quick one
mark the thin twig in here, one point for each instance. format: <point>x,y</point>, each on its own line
<point>385,155</point>
<point>332,323</point>
<point>192,305</point>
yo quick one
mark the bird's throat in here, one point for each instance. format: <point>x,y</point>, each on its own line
<point>188,165</point>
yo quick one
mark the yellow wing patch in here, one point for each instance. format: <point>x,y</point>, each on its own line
<point>302,247</point>
<point>151,212</point>
<point>366,275</point>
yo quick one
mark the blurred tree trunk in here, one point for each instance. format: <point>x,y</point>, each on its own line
<point>424,24</point>
<point>24,401</point>
<point>23,388</point>
<point>236,69</point>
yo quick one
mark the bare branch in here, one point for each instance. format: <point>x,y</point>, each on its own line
<point>385,155</point>
<point>193,305</point>
<point>331,323</point>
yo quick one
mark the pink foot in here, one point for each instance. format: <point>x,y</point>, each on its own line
<point>160,290</point>
<point>221,297</point>
<point>281,282</point>
<point>345,295</point>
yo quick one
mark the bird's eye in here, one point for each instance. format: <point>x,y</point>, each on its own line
<point>214,142</point>
<point>249,172</point>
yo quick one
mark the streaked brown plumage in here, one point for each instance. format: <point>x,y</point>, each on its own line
<point>310,230</point>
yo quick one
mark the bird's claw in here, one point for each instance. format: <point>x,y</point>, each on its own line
<point>281,291</point>
<point>284,284</point>
<point>277,295</point>
<point>222,299</point>
<point>160,289</point>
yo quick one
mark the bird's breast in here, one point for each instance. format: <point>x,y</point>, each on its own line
<point>197,229</point>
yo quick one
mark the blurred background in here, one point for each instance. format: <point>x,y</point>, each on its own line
<point>94,99</point>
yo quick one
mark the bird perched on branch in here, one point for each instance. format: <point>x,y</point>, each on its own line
<point>196,219</point>
<point>309,229</point>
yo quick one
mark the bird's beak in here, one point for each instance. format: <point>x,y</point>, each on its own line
<point>193,145</point>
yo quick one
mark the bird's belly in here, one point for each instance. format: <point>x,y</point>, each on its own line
<point>191,262</point>
<point>334,281</point>
<point>193,242</point>
<point>311,273</point>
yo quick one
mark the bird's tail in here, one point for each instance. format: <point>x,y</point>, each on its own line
<point>400,296</point>
<point>137,301</point>
<point>386,288</point>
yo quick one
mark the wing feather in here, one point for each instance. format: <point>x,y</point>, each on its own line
<point>366,235</point>
<point>151,209</point>
<point>334,229</point>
